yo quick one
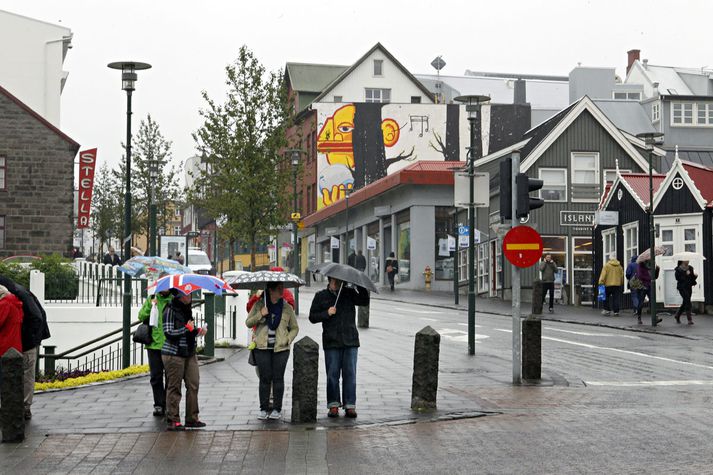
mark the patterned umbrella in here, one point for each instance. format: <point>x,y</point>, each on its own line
<point>257,280</point>
<point>646,255</point>
<point>152,267</point>
<point>188,283</point>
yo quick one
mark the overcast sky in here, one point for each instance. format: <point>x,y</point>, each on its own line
<point>190,42</point>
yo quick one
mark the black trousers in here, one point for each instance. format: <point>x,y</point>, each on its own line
<point>613,292</point>
<point>158,376</point>
<point>686,304</point>
<point>271,367</point>
<point>548,287</point>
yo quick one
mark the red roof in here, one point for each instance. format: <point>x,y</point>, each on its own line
<point>422,172</point>
<point>37,116</point>
<point>703,179</point>
<point>639,182</point>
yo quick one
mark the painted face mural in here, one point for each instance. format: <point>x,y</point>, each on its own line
<point>335,142</point>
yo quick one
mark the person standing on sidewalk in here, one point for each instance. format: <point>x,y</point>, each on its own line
<point>156,304</point>
<point>179,360</point>
<point>685,280</point>
<point>334,308</point>
<point>34,330</point>
<point>612,278</point>
<point>392,269</point>
<point>548,268</point>
<point>630,273</point>
<point>275,329</point>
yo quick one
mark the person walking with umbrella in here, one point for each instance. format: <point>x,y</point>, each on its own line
<point>334,308</point>
<point>392,269</point>
<point>685,280</point>
<point>275,329</point>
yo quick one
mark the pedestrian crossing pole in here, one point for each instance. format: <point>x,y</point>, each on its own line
<point>515,273</point>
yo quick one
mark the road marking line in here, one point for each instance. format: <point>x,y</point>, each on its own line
<point>593,334</point>
<point>636,384</point>
<point>425,312</point>
<point>627,352</point>
<point>427,319</point>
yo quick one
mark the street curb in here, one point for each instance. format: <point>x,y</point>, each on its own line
<point>575,322</point>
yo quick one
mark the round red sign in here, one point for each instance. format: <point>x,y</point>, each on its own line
<point>522,246</point>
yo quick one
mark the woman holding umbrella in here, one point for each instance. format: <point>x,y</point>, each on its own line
<point>392,269</point>
<point>276,329</point>
<point>685,280</point>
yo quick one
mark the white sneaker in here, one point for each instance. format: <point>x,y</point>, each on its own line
<point>262,416</point>
<point>275,415</point>
<point>606,313</point>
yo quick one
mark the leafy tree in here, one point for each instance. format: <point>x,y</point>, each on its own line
<point>105,209</point>
<point>244,178</point>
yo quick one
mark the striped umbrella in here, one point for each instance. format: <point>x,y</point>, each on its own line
<point>188,283</point>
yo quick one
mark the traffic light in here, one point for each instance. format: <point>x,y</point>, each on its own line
<point>525,203</point>
<point>506,188</point>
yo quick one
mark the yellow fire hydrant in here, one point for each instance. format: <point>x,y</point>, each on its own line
<point>428,275</point>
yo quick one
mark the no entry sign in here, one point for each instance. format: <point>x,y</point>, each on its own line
<point>522,246</point>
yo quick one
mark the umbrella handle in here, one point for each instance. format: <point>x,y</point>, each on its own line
<point>341,286</point>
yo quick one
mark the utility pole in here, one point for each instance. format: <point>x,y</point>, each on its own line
<point>515,274</point>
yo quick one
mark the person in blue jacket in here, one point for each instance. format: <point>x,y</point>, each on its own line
<point>631,272</point>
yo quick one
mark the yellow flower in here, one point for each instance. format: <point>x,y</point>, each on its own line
<point>92,378</point>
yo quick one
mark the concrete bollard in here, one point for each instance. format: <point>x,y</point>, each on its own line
<point>537,297</point>
<point>532,348</point>
<point>12,406</point>
<point>305,374</point>
<point>425,370</point>
<point>363,317</point>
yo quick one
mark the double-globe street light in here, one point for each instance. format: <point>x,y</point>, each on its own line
<point>650,140</point>
<point>128,81</point>
<point>473,104</point>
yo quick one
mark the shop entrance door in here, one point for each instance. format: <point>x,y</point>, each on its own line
<point>582,268</point>
<point>496,270</point>
<point>678,234</point>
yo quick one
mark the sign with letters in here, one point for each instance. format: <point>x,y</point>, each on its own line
<point>87,164</point>
<point>370,244</point>
<point>334,242</point>
<point>576,218</point>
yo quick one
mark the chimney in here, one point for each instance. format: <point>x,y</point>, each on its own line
<point>633,55</point>
<point>520,92</point>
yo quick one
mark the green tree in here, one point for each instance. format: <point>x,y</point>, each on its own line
<point>105,209</point>
<point>244,178</point>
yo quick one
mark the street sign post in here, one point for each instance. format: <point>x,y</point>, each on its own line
<point>522,246</point>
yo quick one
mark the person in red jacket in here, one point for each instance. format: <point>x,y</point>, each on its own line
<point>10,321</point>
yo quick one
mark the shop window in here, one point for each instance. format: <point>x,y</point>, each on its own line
<point>445,259</point>
<point>582,268</point>
<point>555,184</point>
<point>556,246</point>
<point>482,266</point>
<point>463,265</point>
<point>373,259</point>
<point>631,242</point>
<point>609,238</point>
<point>404,245</point>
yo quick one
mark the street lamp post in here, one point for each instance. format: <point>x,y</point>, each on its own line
<point>650,139</point>
<point>128,80</point>
<point>347,192</point>
<point>295,161</point>
<point>473,104</point>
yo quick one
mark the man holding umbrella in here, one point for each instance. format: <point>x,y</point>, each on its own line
<point>334,308</point>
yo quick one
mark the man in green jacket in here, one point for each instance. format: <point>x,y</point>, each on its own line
<point>159,300</point>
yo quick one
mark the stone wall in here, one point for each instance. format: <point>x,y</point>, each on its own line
<point>39,196</point>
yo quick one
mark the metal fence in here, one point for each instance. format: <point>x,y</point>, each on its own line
<point>99,284</point>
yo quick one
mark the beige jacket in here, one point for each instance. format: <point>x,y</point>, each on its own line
<point>285,333</point>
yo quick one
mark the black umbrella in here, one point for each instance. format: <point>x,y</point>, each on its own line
<point>345,273</point>
<point>257,280</point>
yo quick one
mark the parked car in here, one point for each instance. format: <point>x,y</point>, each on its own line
<point>199,263</point>
<point>22,261</point>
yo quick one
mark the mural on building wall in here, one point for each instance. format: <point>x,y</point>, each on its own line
<point>359,143</point>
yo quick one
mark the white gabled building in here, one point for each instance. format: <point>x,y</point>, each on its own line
<point>32,62</point>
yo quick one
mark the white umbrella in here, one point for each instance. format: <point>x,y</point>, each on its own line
<point>687,256</point>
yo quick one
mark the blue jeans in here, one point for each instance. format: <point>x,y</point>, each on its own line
<point>341,361</point>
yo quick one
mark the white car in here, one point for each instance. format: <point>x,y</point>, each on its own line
<point>199,263</point>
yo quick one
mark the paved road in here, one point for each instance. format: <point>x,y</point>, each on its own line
<point>613,401</point>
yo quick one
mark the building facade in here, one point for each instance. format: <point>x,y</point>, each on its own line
<point>36,182</point>
<point>32,62</point>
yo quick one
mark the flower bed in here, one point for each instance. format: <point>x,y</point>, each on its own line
<point>72,380</point>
